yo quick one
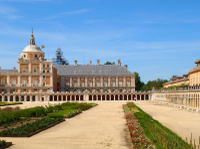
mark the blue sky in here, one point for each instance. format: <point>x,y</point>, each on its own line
<point>155,38</point>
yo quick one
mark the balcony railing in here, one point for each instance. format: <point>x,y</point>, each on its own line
<point>2,84</point>
<point>24,84</point>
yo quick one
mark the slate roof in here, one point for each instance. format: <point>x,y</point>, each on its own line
<point>71,70</point>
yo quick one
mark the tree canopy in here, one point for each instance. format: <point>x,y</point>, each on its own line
<point>138,83</point>
<point>108,63</point>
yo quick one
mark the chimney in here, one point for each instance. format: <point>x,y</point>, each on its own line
<point>98,61</point>
<point>75,62</point>
<point>126,66</point>
<point>90,62</point>
<point>113,63</point>
<point>119,63</point>
<point>14,68</point>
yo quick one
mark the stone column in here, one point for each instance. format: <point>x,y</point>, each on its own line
<point>14,98</point>
<point>101,81</point>
<point>93,82</point>
<point>109,81</point>
<point>8,79</point>
<point>29,67</point>
<point>8,98</point>
<point>40,68</point>
<point>70,82</point>
<point>51,80</point>
<point>101,97</point>
<point>117,81</point>
<point>124,81</point>
<point>79,81</point>
<point>61,97</point>
<point>86,82</point>
<point>19,80</point>
<point>29,81</point>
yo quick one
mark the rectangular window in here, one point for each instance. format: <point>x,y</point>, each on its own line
<point>35,90</point>
<point>120,83</point>
<point>75,83</point>
<point>43,65</point>
<point>43,71</point>
<point>24,90</point>
<point>82,83</point>
<point>48,65</point>
<point>43,77</point>
<point>47,71</point>
<point>128,83</point>
<point>2,82</point>
<point>13,82</point>
<point>43,84</point>
<point>113,83</point>
<point>24,69</point>
<point>35,69</point>
<point>2,90</point>
<point>24,82</point>
<point>98,83</point>
<point>105,83</point>
<point>13,90</point>
<point>90,83</point>
<point>67,84</point>
<point>35,82</point>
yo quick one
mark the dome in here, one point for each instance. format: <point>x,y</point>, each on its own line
<point>32,48</point>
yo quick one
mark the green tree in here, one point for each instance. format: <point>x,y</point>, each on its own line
<point>174,76</point>
<point>158,84</point>
<point>108,63</point>
<point>138,83</point>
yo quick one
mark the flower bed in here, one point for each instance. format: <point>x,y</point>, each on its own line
<point>31,128</point>
<point>4,144</point>
<point>9,103</point>
<point>65,113</point>
<point>138,138</point>
<point>159,135</point>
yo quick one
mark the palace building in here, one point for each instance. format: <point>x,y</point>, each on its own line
<point>190,79</point>
<point>37,79</point>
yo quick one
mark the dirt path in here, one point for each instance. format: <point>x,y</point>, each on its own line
<point>180,121</point>
<point>102,127</point>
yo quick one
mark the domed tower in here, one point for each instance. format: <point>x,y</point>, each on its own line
<point>32,51</point>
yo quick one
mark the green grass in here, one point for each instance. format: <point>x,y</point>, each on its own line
<point>60,113</point>
<point>159,135</point>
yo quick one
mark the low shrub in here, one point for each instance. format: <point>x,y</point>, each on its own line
<point>30,127</point>
<point>2,143</point>
<point>33,112</point>
<point>65,113</point>
<point>9,103</point>
<point>72,113</point>
<point>9,116</point>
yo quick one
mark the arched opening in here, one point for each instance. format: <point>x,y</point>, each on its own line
<point>59,98</point>
<point>81,98</point>
<point>107,97</point>
<point>116,97</point>
<point>73,98</point>
<point>17,98</point>
<point>112,97</point>
<point>142,97</point>
<point>68,97</point>
<point>51,98</point>
<point>90,97</point>
<point>5,99</point>
<point>125,97</point>
<point>28,98</point>
<point>11,98</point>
<point>129,97</point>
<point>33,98</point>
<point>138,97</point>
<point>77,97</point>
<point>55,97</point>
<point>22,98</point>
<point>120,97</point>
<point>147,97</point>
<point>103,97</point>
<point>94,98</point>
<point>134,97</point>
<point>64,98</point>
<point>99,97</point>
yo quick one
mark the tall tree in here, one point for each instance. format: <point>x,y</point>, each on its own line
<point>108,63</point>
<point>138,83</point>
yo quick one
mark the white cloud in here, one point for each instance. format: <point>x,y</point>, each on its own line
<point>63,14</point>
<point>9,13</point>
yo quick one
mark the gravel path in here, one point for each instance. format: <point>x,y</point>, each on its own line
<point>101,127</point>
